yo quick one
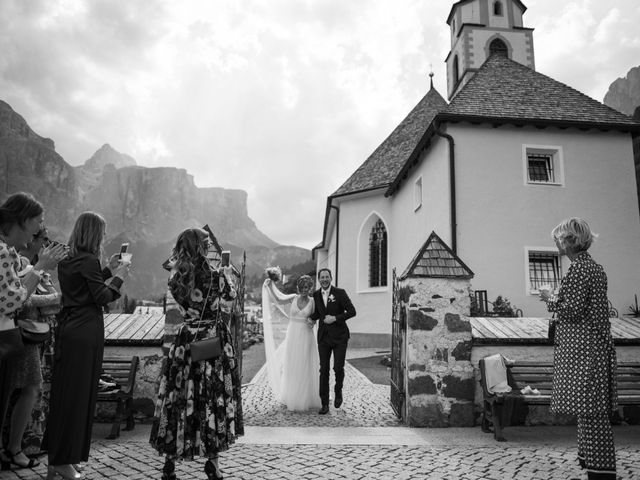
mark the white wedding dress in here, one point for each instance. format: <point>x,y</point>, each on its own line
<point>294,365</point>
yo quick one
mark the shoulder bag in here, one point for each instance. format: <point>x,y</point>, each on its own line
<point>34,332</point>
<point>206,348</point>
<point>10,339</point>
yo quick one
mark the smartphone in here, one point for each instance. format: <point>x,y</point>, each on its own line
<point>225,260</point>
<point>123,248</point>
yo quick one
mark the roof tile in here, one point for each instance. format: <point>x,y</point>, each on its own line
<point>435,259</point>
<point>500,89</point>
<point>503,88</point>
<point>384,164</point>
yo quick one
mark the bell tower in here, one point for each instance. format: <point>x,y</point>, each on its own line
<point>480,28</point>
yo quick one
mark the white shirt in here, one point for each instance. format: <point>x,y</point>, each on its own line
<point>325,295</point>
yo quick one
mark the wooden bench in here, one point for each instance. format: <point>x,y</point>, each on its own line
<point>539,375</point>
<point>123,370</point>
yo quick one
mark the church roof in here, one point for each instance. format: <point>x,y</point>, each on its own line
<point>502,91</point>
<point>384,164</point>
<point>436,260</point>
<point>507,90</point>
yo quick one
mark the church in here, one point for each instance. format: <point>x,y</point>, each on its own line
<point>491,170</point>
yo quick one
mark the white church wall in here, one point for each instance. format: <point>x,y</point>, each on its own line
<point>499,215</point>
<point>412,227</point>
<point>373,306</point>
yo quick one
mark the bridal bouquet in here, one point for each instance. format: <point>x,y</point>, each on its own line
<point>273,273</point>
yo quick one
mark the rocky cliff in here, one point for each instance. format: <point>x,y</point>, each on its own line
<point>147,207</point>
<point>624,96</point>
<point>29,162</point>
<point>624,93</point>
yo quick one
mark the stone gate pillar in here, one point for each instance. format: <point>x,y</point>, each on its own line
<point>440,377</point>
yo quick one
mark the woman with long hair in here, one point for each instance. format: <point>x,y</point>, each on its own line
<point>21,217</point>
<point>85,288</point>
<point>199,407</point>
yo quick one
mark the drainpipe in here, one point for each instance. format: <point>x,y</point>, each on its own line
<point>452,187</point>
<point>337,240</point>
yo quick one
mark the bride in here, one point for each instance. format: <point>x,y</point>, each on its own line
<point>294,365</point>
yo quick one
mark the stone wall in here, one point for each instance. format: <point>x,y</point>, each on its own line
<point>441,381</point>
<point>147,381</point>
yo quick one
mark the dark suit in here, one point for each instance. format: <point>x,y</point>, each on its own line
<point>333,337</point>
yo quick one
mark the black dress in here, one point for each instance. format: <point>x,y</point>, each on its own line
<point>77,358</point>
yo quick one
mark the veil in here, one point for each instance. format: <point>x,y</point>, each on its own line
<point>276,307</point>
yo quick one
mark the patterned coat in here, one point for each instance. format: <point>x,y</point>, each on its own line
<point>584,356</point>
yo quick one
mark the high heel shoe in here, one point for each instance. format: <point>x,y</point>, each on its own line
<point>5,463</point>
<point>12,460</point>
<point>169,470</point>
<point>67,472</point>
<point>212,470</point>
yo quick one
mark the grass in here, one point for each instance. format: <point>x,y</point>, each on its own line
<point>252,360</point>
<point>371,368</point>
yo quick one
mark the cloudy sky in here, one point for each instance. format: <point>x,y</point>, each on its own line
<point>281,98</point>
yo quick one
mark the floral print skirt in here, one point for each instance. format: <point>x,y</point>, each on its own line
<point>199,406</point>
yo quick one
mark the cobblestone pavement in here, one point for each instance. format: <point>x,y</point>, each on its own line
<point>353,443</point>
<point>365,405</point>
<point>135,460</point>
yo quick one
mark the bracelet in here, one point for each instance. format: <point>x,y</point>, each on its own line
<point>40,272</point>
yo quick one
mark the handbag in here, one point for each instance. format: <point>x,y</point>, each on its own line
<point>551,332</point>
<point>10,342</point>
<point>34,332</point>
<point>206,348</point>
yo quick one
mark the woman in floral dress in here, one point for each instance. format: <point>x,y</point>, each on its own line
<point>199,409</point>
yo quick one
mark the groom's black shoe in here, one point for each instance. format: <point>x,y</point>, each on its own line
<point>338,401</point>
<point>324,410</point>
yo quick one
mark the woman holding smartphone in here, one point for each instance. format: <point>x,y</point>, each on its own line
<point>85,288</point>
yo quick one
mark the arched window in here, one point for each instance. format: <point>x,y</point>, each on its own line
<point>455,69</point>
<point>498,47</point>
<point>378,255</point>
<point>497,8</point>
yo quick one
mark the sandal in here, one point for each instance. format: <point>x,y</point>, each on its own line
<point>33,462</point>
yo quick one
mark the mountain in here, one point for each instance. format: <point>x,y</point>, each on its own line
<point>147,207</point>
<point>624,93</point>
<point>624,96</point>
<point>29,162</point>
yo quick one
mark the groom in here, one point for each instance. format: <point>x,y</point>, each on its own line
<point>333,308</point>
